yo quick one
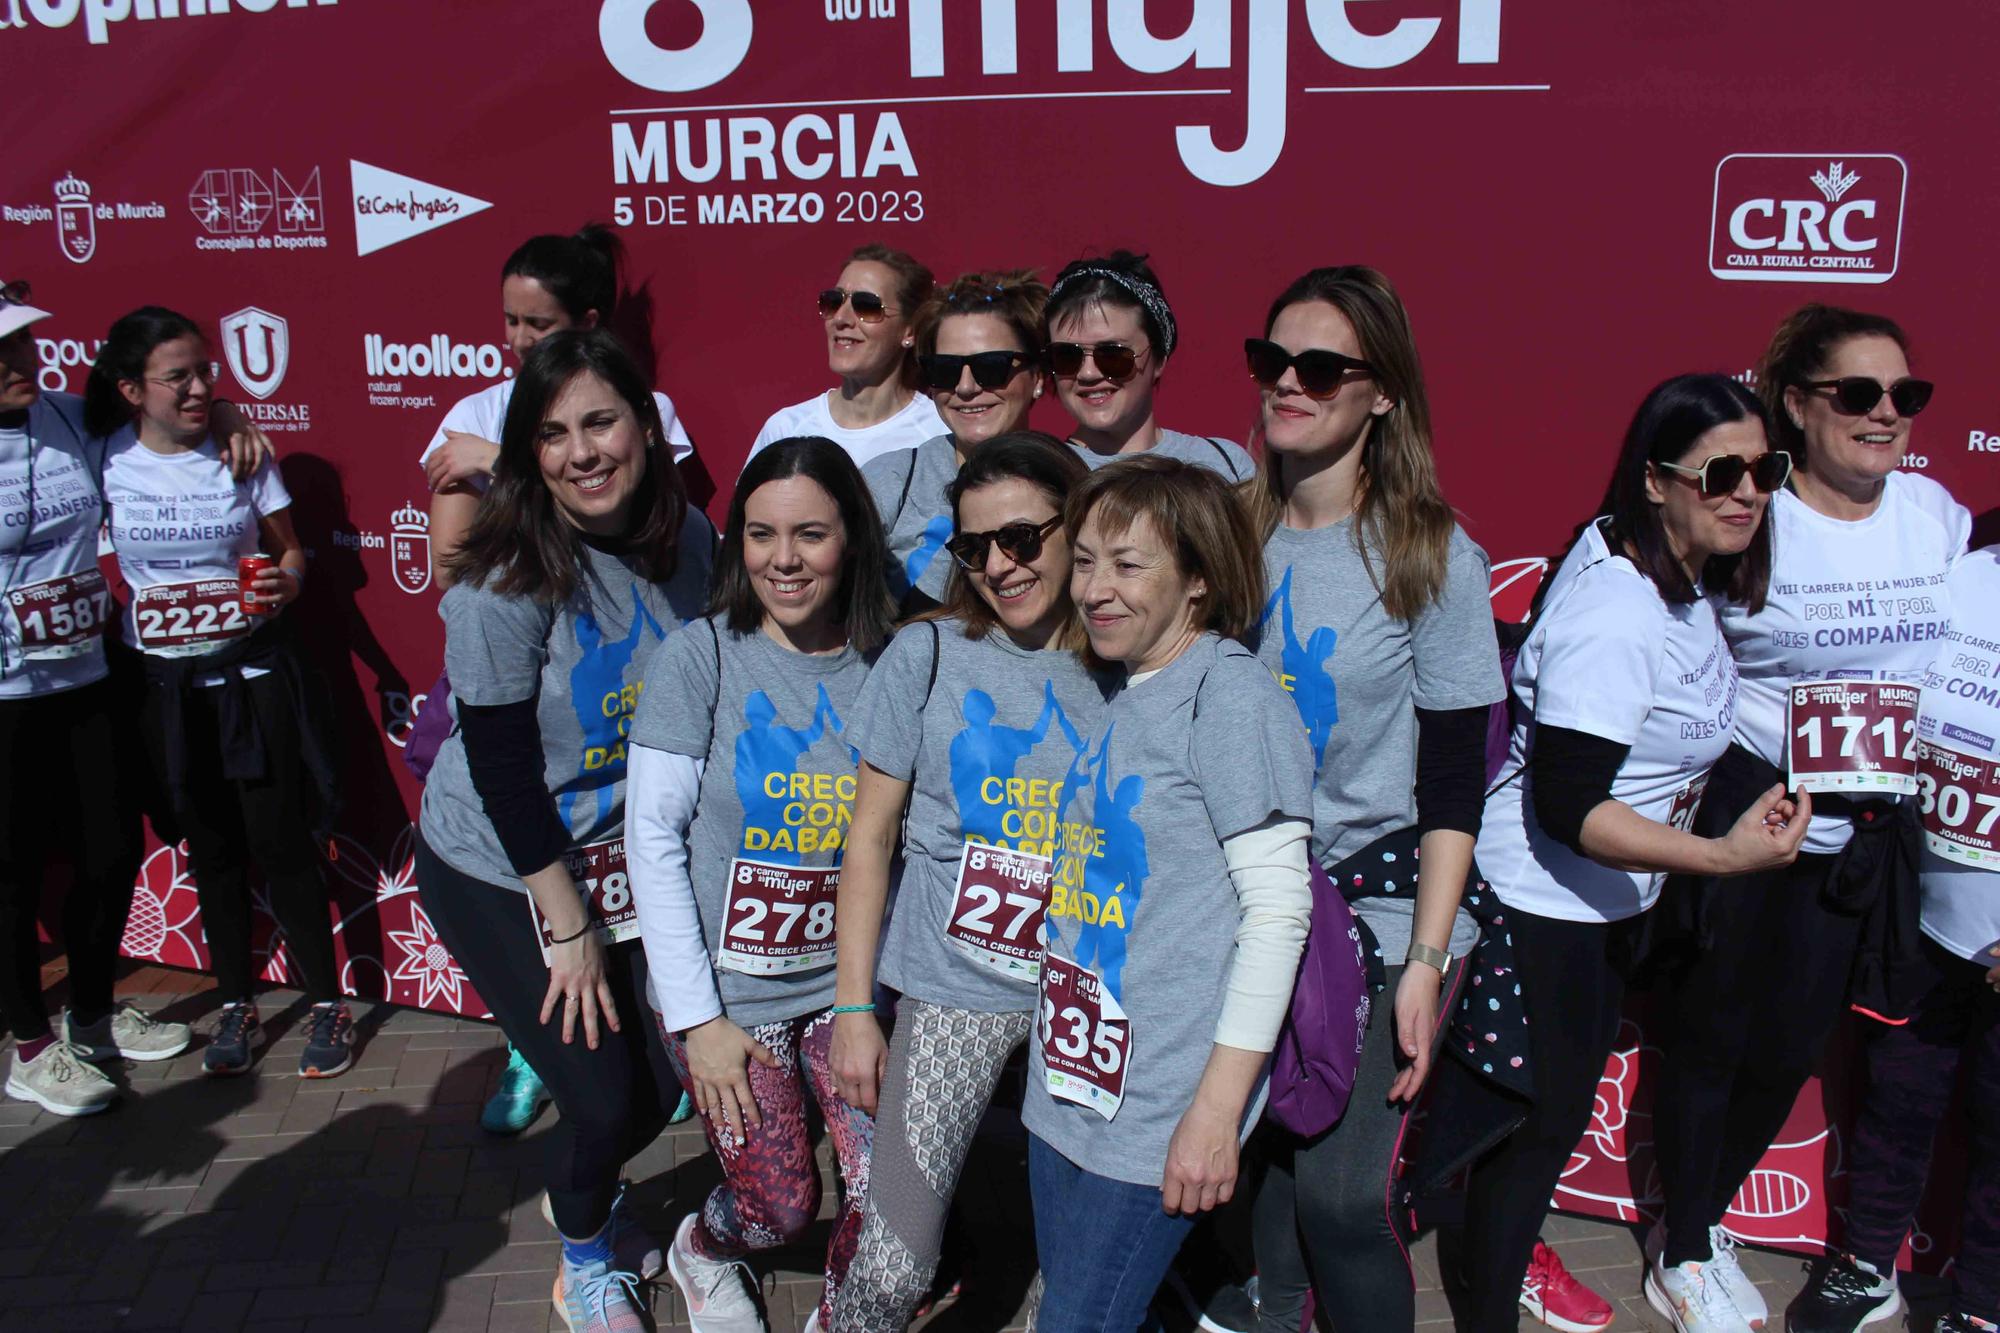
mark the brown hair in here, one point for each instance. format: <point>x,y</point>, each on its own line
<point>1047,464</point>
<point>1401,511</point>
<point>914,285</point>
<point>1013,295</point>
<point>1799,350</point>
<point>1195,512</point>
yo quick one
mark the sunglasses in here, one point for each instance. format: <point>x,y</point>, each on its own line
<point>1019,542</point>
<point>1320,372</point>
<point>1858,394</point>
<point>15,293</point>
<point>990,370</point>
<point>868,307</point>
<point>1721,474</point>
<point>1115,361</point>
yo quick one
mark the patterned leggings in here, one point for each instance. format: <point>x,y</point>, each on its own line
<point>943,1064</point>
<point>770,1187</point>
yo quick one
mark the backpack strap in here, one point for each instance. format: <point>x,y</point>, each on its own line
<point>904,499</point>
<point>1228,463</point>
<point>937,651</point>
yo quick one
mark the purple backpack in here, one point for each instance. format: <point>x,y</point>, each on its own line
<point>428,731</point>
<point>1312,1067</point>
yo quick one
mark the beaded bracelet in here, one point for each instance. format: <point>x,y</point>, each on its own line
<point>852,1009</point>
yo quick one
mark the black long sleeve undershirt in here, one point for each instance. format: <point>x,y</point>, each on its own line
<point>1451,769</point>
<point>1570,774</point>
<point>503,748</point>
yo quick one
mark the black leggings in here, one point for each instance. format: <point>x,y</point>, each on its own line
<point>1746,1024</point>
<point>1574,994</point>
<point>65,786</point>
<point>227,821</point>
<point>614,1100</point>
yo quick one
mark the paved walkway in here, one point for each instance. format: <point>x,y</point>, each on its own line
<point>374,1201</point>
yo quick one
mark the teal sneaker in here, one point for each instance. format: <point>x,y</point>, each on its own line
<point>682,1111</point>
<point>515,1103</point>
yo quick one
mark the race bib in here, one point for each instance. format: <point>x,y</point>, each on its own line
<point>1086,1040</point>
<point>1959,797</point>
<point>1681,811</point>
<point>1853,736</point>
<point>606,890</point>
<point>183,619</point>
<point>996,912</point>
<point>60,617</point>
<point>778,919</point>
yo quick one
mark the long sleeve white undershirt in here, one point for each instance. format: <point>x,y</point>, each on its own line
<point>661,790</point>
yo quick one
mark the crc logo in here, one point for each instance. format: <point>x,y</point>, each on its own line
<point>410,548</point>
<point>236,201</point>
<point>258,345</point>
<point>1807,217</point>
<point>715,55</point>
<point>76,224</point>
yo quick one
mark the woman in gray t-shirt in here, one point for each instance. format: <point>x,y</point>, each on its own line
<point>968,728</point>
<point>742,798</point>
<point>1377,624</point>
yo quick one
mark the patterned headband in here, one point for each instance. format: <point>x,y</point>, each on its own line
<point>1145,293</point>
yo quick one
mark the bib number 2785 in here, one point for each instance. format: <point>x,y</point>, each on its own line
<point>1086,1039</point>
<point>778,919</point>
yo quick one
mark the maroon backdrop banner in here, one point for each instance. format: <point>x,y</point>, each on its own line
<point>1575,201</point>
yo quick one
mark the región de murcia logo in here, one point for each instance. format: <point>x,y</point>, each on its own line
<point>410,548</point>
<point>1797,217</point>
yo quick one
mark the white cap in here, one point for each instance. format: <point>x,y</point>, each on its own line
<point>14,317</point>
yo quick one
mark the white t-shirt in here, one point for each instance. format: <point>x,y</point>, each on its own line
<point>181,518</point>
<point>1609,656</point>
<point>917,422</point>
<point>49,517</point>
<point>484,414</point>
<point>1860,600</point>
<point>1961,711</point>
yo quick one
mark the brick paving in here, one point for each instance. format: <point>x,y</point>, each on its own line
<point>374,1201</point>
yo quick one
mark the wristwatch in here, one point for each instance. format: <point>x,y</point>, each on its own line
<point>1429,957</point>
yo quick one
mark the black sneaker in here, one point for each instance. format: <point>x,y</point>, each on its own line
<point>231,1044</point>
<point>1958,1321</point>
<point>1228,1310</point>
<point>329,1041</point>
<point>1843,1295</point>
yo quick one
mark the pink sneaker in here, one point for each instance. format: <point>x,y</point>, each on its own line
<point>1550,1294</point>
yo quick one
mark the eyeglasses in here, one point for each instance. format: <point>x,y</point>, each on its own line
<point>1320,372</point>
<point>868,307</point>
<point>1857,395</point>
<point>1019,542</point>
<point>990,370</point>
<point>1114,361</point>
<point>1721,474</point>
<point>15,293</point>
<point>181,380</point>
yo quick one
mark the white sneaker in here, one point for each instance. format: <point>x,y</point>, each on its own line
<point>812,1322</point>
<point>716,1292</point>
<point>129,1032</point>
<point>1687,1297</point>
<point>1725,1272</point>
<point>60,1081</point>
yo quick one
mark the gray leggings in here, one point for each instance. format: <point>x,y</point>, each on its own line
<point>943,1064</point>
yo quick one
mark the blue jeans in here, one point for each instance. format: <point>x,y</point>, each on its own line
<point>1104,1245</point>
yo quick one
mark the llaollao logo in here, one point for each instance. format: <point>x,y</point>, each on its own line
<point>1807,217</point>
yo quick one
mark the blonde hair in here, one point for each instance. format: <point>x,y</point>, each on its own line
<point>1400,511</point>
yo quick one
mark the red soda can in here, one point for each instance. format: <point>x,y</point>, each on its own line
<point>248,567</point>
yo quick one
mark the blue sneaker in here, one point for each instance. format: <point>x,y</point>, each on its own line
<point>597,1298</point>
<point>329,1041</point>
<point>631,1244</point>
<point>236,1036</point>
<point>515,1103</point>
<point>682,1111</point>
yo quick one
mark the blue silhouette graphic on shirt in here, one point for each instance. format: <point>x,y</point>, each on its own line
<point>930,545</point>
<point>764,748</point>
<point>1117,876</point>
<point>1307,666</point>
<point>985,751</point>
<point>597,694</point>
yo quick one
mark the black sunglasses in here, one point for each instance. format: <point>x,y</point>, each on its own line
<point>1321,372</point>
<point>15,293</point>
<point>1019,542</point>
<point>1721,474</point>
<point>1858,394</point>
<point>1115,361</point>
<point>868,307</point>
<point>990,370</point>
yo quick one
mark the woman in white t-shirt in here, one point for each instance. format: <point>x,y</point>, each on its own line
<point>231,715</point>
<point>869,315</point>
<point>1861,555</point>
<point>550,282</point>
<point>1626,694</point>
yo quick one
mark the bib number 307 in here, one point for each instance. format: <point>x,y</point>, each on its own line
<point>1958,796</point>
<point>1086,1039</point>
<point>60,617</point>
<point>996,914</point>
<point>778,919</point>
<point>1853,735</point>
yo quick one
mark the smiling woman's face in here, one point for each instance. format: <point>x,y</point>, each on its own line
<point>592,452</point>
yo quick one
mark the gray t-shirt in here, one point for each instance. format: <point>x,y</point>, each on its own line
<point>585,665</point>
<point>985,747</point>
<point>770,727</point>
<point>1206,749</point>
<point>1357,675</point>
<point>1218,456</point>
<point>52,508</point>
<point>908,486</point>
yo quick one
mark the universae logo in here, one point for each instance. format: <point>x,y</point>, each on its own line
<point>1807,217</point>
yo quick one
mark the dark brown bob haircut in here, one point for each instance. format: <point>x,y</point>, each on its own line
<point>519,544</point>
<point>862,604</point>
<point>1197,514</point>
<point>1043,462</point>
<point>1798,353</point>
